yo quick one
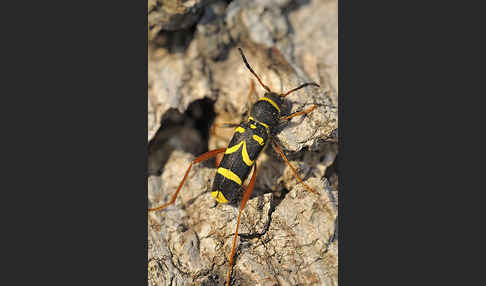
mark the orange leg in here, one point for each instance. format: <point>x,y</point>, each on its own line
<point>222,125</point>
<point>307,111</point>
<point>246,196</point>
<point>279,150</point>
<point>251,95</point>
<point>201,158</point>
<point>252,90</point>
<point>226,125</point>
<point>219,157</point>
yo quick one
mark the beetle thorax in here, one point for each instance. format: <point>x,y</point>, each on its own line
<point>267,109</point>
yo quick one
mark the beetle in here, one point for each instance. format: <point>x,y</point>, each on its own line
<point>250,137</point>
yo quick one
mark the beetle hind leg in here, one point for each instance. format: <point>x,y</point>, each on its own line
<point>246,196</point>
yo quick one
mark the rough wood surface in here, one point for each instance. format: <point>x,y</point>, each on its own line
<point>288,236</point>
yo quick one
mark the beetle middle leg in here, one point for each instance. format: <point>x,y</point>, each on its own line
<point>219,157</point>
<point>279,150</point>
<point>222,125</point>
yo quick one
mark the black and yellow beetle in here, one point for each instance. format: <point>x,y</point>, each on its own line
<point>250,138</point>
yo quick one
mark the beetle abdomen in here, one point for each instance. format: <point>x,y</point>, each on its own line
<point>245,146</point>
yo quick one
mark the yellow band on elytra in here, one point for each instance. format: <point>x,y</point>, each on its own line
<point>253,119</point>
<point>244,152</point>
<point>229,175</point>
<point>240,129</point>
<point>219,197</point>
<point>258,139</point>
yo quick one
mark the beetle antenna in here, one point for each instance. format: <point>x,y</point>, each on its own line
<point>252,71</point>
<point>297,88</point>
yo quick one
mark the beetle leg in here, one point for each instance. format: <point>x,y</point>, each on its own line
<point>307,111</point>
<point>279,150</point>
<point>201,158</point>
<point>246,196</point>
